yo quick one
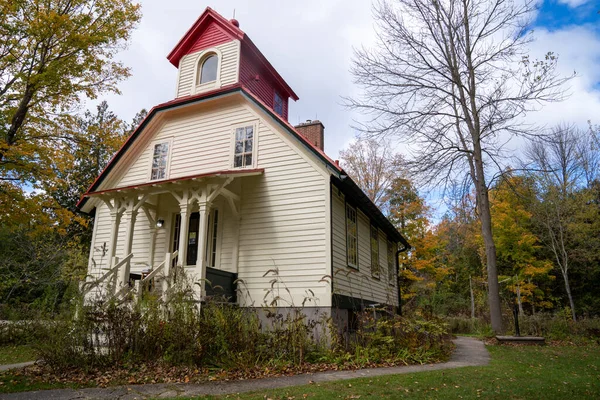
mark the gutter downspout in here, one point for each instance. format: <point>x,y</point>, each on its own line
<point>402,250</point>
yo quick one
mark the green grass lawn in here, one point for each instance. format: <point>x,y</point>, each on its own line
<point>16,354</point>
<point>514,373</point>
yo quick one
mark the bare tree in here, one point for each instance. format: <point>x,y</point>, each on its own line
<point>588,151</point>
<point>563,164</point>
<point>374,166</point>
<point>556,156</point>
<point>452,78</point>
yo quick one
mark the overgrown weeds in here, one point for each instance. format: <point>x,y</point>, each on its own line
<point>223,337</point>
<point>399,340</point>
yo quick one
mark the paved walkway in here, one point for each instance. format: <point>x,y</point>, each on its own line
<point>469,352</point>
<point>14,366</point>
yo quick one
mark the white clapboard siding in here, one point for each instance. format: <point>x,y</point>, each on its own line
<point>200,143</point>
<point>349,281</point>
<point>99,253</point>
<point>226,227</point>
<point>229,67</point>
<point>283,227</point>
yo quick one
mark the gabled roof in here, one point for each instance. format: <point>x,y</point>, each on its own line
<point>342,180</point>
<point>210,16</point>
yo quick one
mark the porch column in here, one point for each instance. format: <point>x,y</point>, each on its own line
<point>153,234</point>
<point>235,251</point>
<point>116,212</point>
<point>130,217</point>
<point>183,229</point>
<point>204,211</point>
<point>115,221</point>
<point>235,214</point>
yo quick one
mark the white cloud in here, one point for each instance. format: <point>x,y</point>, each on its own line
<point>578,49</point>
<point>574,3</point>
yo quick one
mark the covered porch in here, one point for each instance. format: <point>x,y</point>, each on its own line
<point>191,223</point>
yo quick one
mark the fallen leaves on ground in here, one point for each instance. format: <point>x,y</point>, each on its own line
<point>161,373</point>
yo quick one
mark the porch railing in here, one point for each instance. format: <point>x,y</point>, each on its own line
<point>87,287</point>
<point>163,266</point>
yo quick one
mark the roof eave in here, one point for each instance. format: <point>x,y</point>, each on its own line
<point>350,187</point>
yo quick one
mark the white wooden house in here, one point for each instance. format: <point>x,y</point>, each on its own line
<point>218,180</point>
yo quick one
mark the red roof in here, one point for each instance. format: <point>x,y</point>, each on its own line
<point>209,16</point>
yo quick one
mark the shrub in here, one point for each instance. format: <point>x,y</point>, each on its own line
<point>393,338</point>
<point>469,326</point>
<point>219,335</point>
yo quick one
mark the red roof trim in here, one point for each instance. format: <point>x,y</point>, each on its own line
<point>270,68</point>
<point>241,172</point>
<point>190,36</point>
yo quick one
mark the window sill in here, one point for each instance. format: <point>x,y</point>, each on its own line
<point>205,87</point>
<point>355,267</point>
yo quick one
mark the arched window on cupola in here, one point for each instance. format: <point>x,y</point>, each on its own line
<point>207,71</point>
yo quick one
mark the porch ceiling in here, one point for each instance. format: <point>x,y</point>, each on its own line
<point>167,185</point>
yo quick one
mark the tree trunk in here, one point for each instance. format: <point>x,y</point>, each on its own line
<point>472,298</point>
<point>485,217</point>
<point>568,289</point>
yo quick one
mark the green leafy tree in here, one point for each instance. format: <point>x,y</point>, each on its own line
<point>52,54</point>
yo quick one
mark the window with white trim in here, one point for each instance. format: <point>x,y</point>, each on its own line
<point>375,267</point>
<point>351,237</point>
<point>243,147</point>
<point>160,157</point>
<point>391,254</point>
<point>208,69</point>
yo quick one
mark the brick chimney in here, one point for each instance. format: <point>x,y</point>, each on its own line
<point>313,131</point>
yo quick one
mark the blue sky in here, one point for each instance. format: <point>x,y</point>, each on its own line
<point>555,15</point>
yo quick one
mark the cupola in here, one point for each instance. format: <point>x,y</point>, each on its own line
<point>215,53</point>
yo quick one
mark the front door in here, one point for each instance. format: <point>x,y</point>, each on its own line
<point>212,238</point>
<point>192,240</point>
<point>192,237</point>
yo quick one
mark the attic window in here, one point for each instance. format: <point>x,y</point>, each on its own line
<point>243,147</point>
<point>159,161</point>
<point>278,104</point>
<point>208,69</point>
